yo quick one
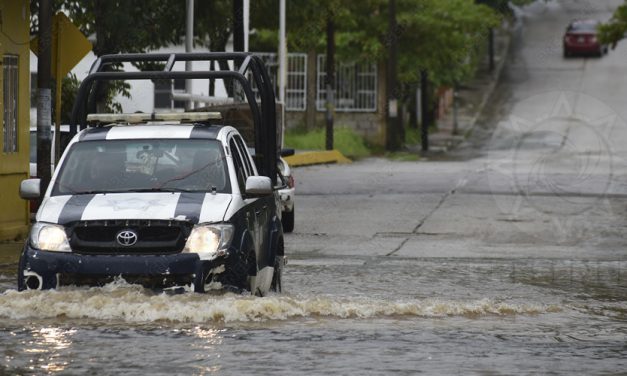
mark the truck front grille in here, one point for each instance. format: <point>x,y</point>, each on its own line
<point>153,236</point>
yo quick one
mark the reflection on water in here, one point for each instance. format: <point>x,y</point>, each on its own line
<point>45,348</point>
<point>52,341</point>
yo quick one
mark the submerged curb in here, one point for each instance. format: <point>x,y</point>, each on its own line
<point>316,157</point>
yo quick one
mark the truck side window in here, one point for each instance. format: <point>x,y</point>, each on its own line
<point>245,155</point>
<point>239,166</point>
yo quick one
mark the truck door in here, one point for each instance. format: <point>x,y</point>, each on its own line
<point>258,208</point>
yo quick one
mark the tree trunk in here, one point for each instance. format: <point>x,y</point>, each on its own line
<point>425,109</point>
<point>393,139</point>
<point>330,84</point>
<point>312,82</point>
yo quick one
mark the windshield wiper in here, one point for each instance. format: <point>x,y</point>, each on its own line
<point>158,189</point>
<point>90,192</point>
<point>131,190</point>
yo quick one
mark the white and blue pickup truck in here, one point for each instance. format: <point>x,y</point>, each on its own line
<point>170,200</point>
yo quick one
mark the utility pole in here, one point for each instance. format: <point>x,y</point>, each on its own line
<point>44,97</point>
<point>246,24</point>
<point>330,81</point>
<point>393,126</point>
<point>189,46</point>
<point>282,66</point>
<point>282,53</point>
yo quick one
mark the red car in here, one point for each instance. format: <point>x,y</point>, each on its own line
<point>581,38</point>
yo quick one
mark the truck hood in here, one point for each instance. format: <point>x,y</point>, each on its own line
<point>196,207</point>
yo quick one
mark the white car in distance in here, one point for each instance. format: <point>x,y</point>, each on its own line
<point>287,194</point>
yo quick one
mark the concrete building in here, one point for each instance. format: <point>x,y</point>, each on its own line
<point>14,105</point>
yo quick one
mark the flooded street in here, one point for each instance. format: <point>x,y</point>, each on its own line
<point>506,257</point>
<point>348,316</point>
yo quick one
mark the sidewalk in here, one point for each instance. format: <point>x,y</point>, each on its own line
<point>308,158</point>
<point>472,99</point>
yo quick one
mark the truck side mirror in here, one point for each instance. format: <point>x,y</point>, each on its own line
<point>30,189</point>
<point>258,186</point>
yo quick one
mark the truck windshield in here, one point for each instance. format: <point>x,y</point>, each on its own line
<point>116,166</point>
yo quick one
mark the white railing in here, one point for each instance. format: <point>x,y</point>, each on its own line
<point>355,86</point>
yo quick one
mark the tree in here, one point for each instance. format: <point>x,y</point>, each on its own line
<point>442,38</point>
<point>613,31</point>
<point>313,26</point>
<point>122,26</point>
<point>503,7</point>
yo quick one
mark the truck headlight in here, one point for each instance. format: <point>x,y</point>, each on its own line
<point>49,237</point>
<point>209,241</point>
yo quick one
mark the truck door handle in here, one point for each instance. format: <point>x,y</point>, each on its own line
<point>258,212</point>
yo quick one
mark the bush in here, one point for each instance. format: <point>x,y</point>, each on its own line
<point>345,140</point>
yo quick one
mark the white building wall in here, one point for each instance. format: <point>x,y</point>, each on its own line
<point>142,91</point>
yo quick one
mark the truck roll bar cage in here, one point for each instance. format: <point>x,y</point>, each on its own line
<point>263,114</point>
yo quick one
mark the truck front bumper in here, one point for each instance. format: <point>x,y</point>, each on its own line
<point>45,270</point>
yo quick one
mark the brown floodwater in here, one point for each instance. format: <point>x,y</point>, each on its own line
<point>338,315</point>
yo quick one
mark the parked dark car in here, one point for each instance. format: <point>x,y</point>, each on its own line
<point>581,39</point>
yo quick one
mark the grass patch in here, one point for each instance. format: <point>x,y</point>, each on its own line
<point>345,140</point>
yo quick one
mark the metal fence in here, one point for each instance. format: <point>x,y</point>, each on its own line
<point>355,86</point>
<point>10,89</point>
<point>296,85</point>
<point>356,83</point>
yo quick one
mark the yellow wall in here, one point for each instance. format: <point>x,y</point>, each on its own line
<point>14,39</point>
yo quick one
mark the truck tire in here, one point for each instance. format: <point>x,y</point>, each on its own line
<point>287,219</point>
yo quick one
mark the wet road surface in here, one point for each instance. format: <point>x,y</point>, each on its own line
<point>347,316</point>
<point>508,258</point>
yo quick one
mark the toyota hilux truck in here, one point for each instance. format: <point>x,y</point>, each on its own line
<point>171,200</point>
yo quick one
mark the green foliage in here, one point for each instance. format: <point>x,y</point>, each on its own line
<point>440,36</point>
<point>305,21</point>
<point>345,140</point>
<point>69,89</point>
<point>128,26</point>
<point>121,26</point>
<point>613,31</point>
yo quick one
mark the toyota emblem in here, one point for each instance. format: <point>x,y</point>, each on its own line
<point>126,238</point>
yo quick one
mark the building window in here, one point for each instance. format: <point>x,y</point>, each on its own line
<point>10,98</point>
<point>355,86</point>
<point>163,93</point>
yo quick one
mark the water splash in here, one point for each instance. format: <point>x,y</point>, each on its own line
<point>131,303</point>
